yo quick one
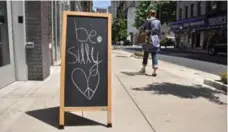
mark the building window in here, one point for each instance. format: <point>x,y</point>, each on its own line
<point>192,10</point>
<point>133,4</point>
<point>180,13</point>
<point>186,11</point>
<point>208,9</point>
<point>214,5</point>
<point>199,9</point>
<point>4,40</point>
<point>223,5</point>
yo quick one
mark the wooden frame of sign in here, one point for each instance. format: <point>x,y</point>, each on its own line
<point>64,109</point>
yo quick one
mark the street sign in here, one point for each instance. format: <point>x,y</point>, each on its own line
<point>85,63</point>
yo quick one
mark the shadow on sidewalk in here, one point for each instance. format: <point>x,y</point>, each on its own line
<point>132,73</point>
<point>135,73</point>
<point>51,117</point>
<point>182,91</point>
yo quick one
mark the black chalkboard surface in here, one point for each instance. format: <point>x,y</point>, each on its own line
<point>86,61</point>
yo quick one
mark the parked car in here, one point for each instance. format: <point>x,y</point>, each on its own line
<point>217,45</point>
<point>216,48</point>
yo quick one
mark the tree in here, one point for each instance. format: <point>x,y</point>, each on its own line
<point>142,10</point>
<point>166,10</point>
<point>119,26</point>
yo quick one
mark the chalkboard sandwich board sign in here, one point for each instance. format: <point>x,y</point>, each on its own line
<point>85,63</point>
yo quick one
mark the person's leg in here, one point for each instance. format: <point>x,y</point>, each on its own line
<point>154,63</point>
<point>145,60</point>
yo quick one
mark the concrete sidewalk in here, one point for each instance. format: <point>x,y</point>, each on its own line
<point>33,107</point>
<point>174,101</point>
<point>178,70</point>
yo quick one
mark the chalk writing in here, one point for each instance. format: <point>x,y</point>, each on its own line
<point>90,34</point>
<point>85,53</point>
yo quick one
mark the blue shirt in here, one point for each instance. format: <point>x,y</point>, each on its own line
<point>153,25</point>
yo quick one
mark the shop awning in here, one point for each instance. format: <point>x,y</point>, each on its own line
<point>191,23</point>
<point>200,23</point>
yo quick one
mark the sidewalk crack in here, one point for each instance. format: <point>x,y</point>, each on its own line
<point>147,120</point>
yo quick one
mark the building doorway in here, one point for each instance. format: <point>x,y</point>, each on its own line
<point>7,70</point>
<point>197,40</point>
<point>193,40</point>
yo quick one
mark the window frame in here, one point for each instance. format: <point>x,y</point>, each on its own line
<point>199,8</point>
<point>180,13</point>
<point>192,10</point>
<point>186,11</point>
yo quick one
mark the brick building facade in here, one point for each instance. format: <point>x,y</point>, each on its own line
<point>37,31</point>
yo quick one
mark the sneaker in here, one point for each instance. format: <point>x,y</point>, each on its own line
<point>143,70</point>
<point>154,74</point>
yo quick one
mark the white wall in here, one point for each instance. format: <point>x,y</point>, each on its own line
<point>19,40</point>
<point>131,20</point>
<point>130,23</point>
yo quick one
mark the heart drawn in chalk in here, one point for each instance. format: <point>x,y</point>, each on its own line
<point>87,89</point>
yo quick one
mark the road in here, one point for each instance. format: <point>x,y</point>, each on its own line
<point>199,61</point>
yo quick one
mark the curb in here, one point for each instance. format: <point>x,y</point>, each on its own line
<point>215,84</point>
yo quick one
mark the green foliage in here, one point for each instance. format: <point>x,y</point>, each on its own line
<point>115,29</point>
<point>168,11</point>
<point>142,11</point>
<point>163,42</point>
<point>165,9</point>
<point>119,27</point>
<point>166,42</point>
<point>224,77</point>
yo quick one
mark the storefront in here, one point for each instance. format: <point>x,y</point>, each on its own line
<point>189,32</point>
<point>7,74</point>
<point>218,26</point>
<point>27,40</point>
<point>197,32</point>
<point>12,43</point>
<point>24,52</point>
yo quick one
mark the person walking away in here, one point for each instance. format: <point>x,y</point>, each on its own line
<point>153,28</point>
